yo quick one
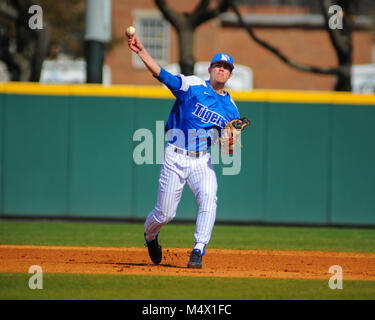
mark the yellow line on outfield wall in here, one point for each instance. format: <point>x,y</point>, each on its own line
<point>161,92</point>
<point>84,90</point>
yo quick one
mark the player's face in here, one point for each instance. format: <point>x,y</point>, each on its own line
<point>220,72</point>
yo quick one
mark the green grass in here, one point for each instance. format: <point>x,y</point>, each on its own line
<point>129,287</point>
<point>125,287</point>
<point>71,233</point>
<point>177,235</point>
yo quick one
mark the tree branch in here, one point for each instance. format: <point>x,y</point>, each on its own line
<point>8,11</point>
<point>281,56</point>
<point>203,14</point>
<point>169,14</point>
<point>333,33</point>
<point>185,24</point>
<point>201,7</point>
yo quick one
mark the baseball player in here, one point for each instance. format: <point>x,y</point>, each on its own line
<point>200,106</point>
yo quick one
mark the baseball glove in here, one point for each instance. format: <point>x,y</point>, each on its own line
<point>231,133</point>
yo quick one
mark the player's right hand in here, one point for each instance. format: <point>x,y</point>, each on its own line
<point>135,45</point>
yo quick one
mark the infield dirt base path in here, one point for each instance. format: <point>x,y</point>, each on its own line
<point>216,262</point>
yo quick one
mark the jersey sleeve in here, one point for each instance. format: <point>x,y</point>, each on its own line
<point>235,113</point>
<point>179,85</point>
<point>172,82</point>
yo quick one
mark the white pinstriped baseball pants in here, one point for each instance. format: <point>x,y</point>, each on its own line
<point>200,176</point>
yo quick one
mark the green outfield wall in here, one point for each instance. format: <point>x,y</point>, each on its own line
<point>67,151</point>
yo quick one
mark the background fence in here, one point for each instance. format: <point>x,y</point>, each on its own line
<point>67,151</point>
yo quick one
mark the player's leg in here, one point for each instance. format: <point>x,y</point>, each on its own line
<point>171,184</point>
<point>203,183</point>
<point>169,195</point>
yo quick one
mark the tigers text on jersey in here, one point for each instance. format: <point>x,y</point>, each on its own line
<point>198,110</point>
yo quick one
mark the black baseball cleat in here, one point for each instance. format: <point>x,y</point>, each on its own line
<point>154,250</point>
<point>195,259</point>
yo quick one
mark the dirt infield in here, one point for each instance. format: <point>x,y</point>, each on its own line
<point>216,263</point>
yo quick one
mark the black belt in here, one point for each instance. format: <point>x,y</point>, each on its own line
<point>192,154</point>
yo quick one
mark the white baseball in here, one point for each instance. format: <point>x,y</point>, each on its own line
<point>130,31</point>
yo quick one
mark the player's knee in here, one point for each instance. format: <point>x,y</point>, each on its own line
<point>164,215</point>
<point>207,201</point>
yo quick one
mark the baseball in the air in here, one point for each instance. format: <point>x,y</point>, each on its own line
<point>130,32</point>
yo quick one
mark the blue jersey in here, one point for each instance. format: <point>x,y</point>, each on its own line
<point>197,113</point>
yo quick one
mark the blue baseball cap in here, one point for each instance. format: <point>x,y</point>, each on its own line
<point>223,57</point>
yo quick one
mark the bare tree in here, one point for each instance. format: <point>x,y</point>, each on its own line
<point>341,40</point>
<point>185,25</point>
<point>22,49</point>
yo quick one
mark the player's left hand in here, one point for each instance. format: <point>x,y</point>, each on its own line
<point>231,133</point>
